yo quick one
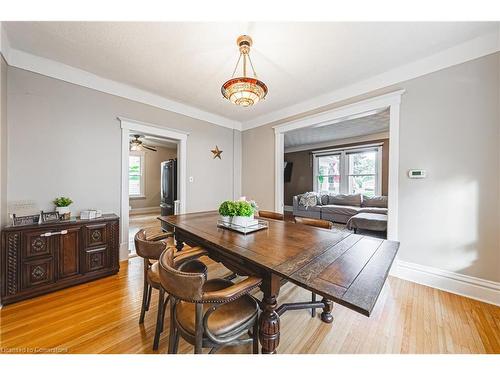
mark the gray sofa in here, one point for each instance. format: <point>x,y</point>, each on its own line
<point>340,208</point>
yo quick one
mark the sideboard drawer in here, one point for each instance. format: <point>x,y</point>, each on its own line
<point>95,235</point>
<point>96,259</point>
<point>38,272</point>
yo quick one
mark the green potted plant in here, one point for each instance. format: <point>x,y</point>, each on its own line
<point>62,207</point>
<point>244,214</point>
<point>239,213</point>
<point>227,210</point>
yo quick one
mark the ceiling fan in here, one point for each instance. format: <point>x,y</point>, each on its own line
<point>138,145</point>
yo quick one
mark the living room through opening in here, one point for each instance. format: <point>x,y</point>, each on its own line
<point>338,171</point>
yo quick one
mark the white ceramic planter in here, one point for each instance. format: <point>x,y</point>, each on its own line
<point>243,221</point>
<point>64,212</point>
<point>225,219</point>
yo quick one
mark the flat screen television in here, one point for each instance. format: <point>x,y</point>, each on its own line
<point>288,171</point>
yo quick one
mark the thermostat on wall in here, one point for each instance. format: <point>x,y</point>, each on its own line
<point>416,173</point>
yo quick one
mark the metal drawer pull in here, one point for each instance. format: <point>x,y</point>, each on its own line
<point>48,234</point>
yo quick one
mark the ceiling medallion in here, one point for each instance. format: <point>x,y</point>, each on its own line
<point>244,91</point>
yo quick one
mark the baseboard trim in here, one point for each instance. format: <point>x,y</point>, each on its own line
<point>467,286</point>
<point>124,251</point>
<point>144,210</point>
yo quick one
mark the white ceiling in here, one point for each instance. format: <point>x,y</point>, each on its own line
<point>188,62</point>
<point>372,124</point>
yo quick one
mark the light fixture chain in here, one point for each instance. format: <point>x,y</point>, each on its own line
<point>244,65</point>
<point>236,67</point>
<point>254,73</point>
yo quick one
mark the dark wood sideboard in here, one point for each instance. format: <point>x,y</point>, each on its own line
<point>38,259</point>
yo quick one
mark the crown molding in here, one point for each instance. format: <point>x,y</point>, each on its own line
<point>470,50</point>
<point>54,69</point>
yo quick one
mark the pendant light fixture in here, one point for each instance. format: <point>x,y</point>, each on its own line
<point>244,91</point>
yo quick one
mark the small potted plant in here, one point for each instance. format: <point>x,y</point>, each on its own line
<point>244,215</point>
<point>62,207</point>
<point>227,210</point>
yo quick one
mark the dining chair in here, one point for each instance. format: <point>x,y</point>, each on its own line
<point>271,215</point>
<point>325,224</point>
<point>314,222</point>
<point>150,247</point>
<point>208,313</point>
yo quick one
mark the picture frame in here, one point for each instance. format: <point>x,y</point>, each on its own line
<point>25,220</point>
<point>49,217</point>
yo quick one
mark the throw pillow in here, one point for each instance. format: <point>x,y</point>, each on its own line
<point>308,200</point>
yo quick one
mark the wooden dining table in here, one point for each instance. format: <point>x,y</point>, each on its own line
<point>342,267</point>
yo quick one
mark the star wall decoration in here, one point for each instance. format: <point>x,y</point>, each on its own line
<point>216,152</point>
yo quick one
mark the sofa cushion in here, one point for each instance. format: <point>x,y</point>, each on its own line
<point>309,208</point>
<point>345,199</point>
<point>376,201</point>
<point>373,210</point>
<point>374,222</point>
<point>340,210</point>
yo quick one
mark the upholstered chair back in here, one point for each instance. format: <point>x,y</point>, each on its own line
<point>148,249</point>
<point>314,222</point>
<point>182,285</point>
<point>271,215</point>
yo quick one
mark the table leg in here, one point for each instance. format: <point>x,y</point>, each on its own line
<point>269,323</point>
<point>179,244</point>
<point>326,315</point>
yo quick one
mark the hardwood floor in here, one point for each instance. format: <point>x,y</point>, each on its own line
<point>139,221</point>
<point>102,317</point>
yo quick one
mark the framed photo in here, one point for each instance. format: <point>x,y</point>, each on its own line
<point>48,217</point>
<point>25,220</point>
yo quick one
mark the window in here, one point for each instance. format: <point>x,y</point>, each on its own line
<point>136,174</point>
<point>349,171</point>
<point>328,178</point>
<point>363,172</point>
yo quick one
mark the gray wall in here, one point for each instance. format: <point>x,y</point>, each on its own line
<point>450,127</point>
<point>65,140</point>
<point>152,174</point>
<point>301,179</point>
<point>3,141</point>
<point>257,177</point>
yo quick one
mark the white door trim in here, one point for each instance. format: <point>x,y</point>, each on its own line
<point>129,126</point>
<point>391,101</point>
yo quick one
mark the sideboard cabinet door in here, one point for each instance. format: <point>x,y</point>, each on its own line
<point>95,235</point>
<point>36,244</point>
<point>38,272</point>
<point>96,259</point>
<point>69,253</point>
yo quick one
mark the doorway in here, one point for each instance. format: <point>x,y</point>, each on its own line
<point>388,103</point>
<point>138,208</point>
<point>152,182</point>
